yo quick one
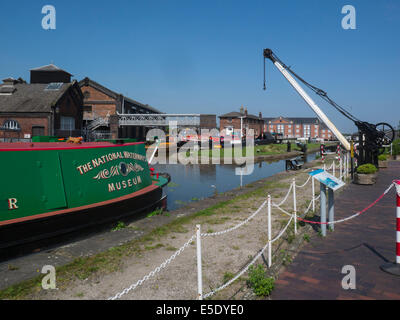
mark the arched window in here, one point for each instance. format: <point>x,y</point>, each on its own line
<point>11,125</point>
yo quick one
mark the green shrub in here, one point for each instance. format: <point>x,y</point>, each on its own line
<point>382,157</point>
<point>367,168</point>
<point>396,147</point>
<point>259,282</point>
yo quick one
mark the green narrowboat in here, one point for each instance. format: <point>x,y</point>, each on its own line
<point>50,188</point>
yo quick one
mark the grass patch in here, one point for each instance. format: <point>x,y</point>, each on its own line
<point>156,212</point>
<point>157,246</point>
<point>227,276</point>
<point>261,284</point>
<point>120,225</point>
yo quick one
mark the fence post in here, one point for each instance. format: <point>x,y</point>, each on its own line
<point>313,193</point>
<point>333,165</point>
<point>294,206</point>
<point>323,209</point>
<point>331,208</point>
<point>199,268</point>
<point>394,268</point>
<point>269,233</point>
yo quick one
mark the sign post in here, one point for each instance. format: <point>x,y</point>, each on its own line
<point>332,183</point>
<point>323,209</point>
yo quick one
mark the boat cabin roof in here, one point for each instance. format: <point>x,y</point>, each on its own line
<point>37,146</point>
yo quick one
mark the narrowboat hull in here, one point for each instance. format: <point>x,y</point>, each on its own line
<point>52,189</point>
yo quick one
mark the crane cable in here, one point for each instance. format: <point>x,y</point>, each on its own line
<point>317,90</point>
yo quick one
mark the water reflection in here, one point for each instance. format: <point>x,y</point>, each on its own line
<point>191,183</point>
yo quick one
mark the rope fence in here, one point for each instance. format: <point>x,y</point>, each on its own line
<point>294,217</point>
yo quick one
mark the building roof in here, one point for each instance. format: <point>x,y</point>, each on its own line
<point>238,115</point>
<point>89,82</point>
<point>50,68</point>
<point>300,120</point>
<point>32,98</point>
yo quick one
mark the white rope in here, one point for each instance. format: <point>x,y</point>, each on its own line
<point>156,270</point>
<point>283,210</point>
<point>303,185</point>
<point>248,266</point>
<point>237,226</point>
<point>287,195</point>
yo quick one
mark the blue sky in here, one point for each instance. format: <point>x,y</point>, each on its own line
<point>206,56</point>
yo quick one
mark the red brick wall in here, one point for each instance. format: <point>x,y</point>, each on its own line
<point>292,131</point>
<point>26,123</point>
<point>254,124</point>
<point>98,110</point>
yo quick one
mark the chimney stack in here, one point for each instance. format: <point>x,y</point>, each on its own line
<point>245,111</point>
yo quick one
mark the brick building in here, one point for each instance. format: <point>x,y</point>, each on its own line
<point>298,127</point>
<point>49,105</point>
<point>100,103</point>
<point>241,121</point>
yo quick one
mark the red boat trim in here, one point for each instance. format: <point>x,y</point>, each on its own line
<point>71,147</point>
<point>98,204</point>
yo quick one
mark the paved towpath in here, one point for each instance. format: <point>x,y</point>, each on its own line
<point>366,242</point>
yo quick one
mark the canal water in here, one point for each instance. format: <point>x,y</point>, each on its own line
<point>190,183</point>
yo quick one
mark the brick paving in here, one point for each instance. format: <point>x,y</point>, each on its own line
<point>366,242</point>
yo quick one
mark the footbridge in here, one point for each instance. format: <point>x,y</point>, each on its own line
<point>157,120</point>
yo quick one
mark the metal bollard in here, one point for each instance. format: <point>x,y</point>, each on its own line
<point>199,267</point>
<point>394,268</point>
<point>269,233</point>
<point>294,206</point>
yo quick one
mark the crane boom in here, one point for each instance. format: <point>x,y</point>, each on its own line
<point>308,100</point>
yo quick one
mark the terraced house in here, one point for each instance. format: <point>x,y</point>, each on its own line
<point>241,122</point>
<point>298,127</point>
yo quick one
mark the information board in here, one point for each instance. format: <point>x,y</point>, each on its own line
<point>327,179</point>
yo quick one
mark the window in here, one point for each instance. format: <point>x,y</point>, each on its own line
<point>87,108</point>
<point>11,125</point>
<point>37,131</point>
<point>86,94</point>
<point>307,131</point>
<point>54,86</point>
<point>67,123</point>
